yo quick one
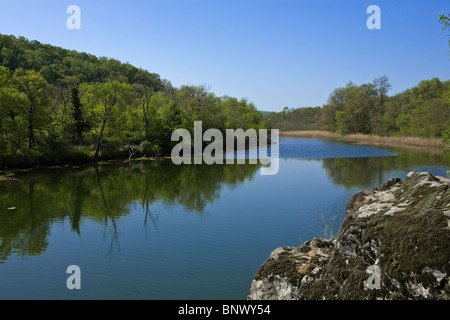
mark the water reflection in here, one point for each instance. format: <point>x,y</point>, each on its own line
<point>105,193</point>
<point>368,171</point>
<point>30,204</point>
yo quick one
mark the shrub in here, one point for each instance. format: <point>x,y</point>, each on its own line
<point>145,147</point>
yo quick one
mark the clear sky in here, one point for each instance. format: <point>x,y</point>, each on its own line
<point>275,53</point>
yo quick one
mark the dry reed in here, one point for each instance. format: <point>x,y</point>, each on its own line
<point>370,139</point>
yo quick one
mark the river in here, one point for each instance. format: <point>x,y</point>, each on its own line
<point>155,230</point>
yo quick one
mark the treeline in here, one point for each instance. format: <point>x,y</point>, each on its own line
<point>422,111</point>
<point>308,118</point>
<point>59,105</point>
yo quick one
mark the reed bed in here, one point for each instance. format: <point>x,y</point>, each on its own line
<point>369,139</point>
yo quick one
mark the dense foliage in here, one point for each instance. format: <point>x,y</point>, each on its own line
<point>59,105</point>
<point>422,111</point>
<point>62,105</point>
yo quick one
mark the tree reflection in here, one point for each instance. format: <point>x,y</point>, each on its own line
<point>146,202</point>
<point>103,194</point>
<point>370,171</point>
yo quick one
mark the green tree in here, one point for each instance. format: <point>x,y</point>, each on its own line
<point>166,118</point>
<point>78,121</point>
<point>353,108</point>
<point>197,104</point>
<point>376,114</point>
<point>35,89</point>
<point>104,102</point>
<point>12,121</point>
<point>336,103</point>
<point>143,94</point>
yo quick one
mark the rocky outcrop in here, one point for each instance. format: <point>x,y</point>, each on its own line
<point>394,243</point>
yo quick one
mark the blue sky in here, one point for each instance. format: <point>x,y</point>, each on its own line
<point>275,53</point>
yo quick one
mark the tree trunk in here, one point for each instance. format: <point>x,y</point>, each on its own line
<point>99,139</point>
<point>80,138</point>
<point>30,133</point>
<point>145,112</point>
<point>146,130</point>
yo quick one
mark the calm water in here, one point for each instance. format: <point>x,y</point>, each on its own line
<point>154,230</point>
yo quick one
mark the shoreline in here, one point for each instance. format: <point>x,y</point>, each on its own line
<point>436,146</point>
<point>8,174</point>
<point>373,140</point>
<point>74,156</point>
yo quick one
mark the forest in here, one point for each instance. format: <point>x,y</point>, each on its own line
<point>59,105</point>
<point>422,111</point>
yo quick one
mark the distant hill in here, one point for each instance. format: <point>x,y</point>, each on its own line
<point>58,65</point>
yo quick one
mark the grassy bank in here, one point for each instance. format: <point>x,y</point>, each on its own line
<point>369,139</point>
<point>65,155</point>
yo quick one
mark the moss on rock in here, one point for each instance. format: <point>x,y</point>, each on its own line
<point>401,227</point>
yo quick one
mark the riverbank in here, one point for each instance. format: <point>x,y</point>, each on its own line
<point>70,156</point>
<point>60,154</point>
<point>370,139</point>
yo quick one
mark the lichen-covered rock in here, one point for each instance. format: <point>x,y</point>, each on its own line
<point>287,268</point>
<point>394,243</point>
